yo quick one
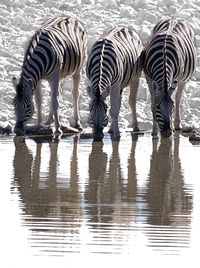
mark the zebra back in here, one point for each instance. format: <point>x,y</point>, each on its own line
<point>60,44</point>
<point>170,54</point>
<point>115,57</point>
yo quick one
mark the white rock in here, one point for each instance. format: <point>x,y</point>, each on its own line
<point>108,4</point>
<point>19,20</point>
<point>29,10</point>
<point>126,11</point>
<point>197,74</point>
<point>194,103</point>
<point>197,40</point>
<point>4,53</point>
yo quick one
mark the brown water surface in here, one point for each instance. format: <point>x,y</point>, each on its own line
<point>73,198</point>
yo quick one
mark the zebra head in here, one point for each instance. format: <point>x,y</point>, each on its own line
<point>98,113</point>
<point>163,108</point>
<point>23,103</point>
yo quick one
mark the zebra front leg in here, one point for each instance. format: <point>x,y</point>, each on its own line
<point>50,118</point>
<point>115,102</point>
<point>75,97</point>
<point>54,84</point>
<point>132,101</point>
<point>177,106</point>
<point>155,125</point>
<point>38,101</point>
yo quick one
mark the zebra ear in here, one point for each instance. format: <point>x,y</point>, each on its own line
<point>173,87</point>
<point>155,87</point>
<point>106,93</point>
<point>89,90</point>
<point>14,82</point>
<point>30,84</point>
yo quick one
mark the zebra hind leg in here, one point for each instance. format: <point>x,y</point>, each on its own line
<point>75,97</point>
<point>50,118</point>
<point>177,106</point>
<point>115,102</point>
<point>38,101</point>
<point>54,84</point>
<point>111,131</point>
<point>155,125</point>
<point>132,101</point>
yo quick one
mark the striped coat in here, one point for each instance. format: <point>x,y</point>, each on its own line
<point>113,63</point>
<point>58,49</point>
<point>169,61</point>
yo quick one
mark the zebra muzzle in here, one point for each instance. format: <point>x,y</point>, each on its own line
<point>19,129</point>
<point>166,132</point>
<point>98,134</point>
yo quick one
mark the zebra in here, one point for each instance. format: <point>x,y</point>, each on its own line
<point>169,61</point>
<point>114,62</point>
<point>57,49</point>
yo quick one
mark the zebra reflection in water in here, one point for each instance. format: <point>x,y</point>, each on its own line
<point>44,193</point>
<point>107,190</point>
<point>57,50</point>
<point>168,199</point>
<point>169,61</point>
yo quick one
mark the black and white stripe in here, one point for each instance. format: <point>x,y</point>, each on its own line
<point>169,61</point>
<point>113,63</point>
<point>56,50</point>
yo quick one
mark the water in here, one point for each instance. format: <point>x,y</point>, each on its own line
<point>136,199</point>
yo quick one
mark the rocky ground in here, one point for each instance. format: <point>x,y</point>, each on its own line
<point>20,18</point>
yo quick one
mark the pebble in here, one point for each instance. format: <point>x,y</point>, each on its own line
<point>194,137</point>
<point>194,103</point>
<point>38,130</point>
<point>19,20</point>
<point>5,130</point>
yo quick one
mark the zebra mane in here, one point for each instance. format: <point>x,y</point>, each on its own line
<point>31,46</point>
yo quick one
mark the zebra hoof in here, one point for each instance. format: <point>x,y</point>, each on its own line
<point>58,132</point>
<point>115,138</point>
<point>19,131</point>
<point>98,136</point>
<point>136,129</point>
<point>69,130</point>
<point>79,127</point>
<point>154,134</point>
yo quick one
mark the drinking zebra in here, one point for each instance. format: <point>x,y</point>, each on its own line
<point>169,61</point>
<point>113,63</point>
<point>56,50</point>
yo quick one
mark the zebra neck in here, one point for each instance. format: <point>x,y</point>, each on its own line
<point>25,77</point>
<point>99,91</point>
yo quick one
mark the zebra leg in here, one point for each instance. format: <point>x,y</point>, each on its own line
<point>54,84</point>
<point>50,118</point>
<point>111,129</point>
<point>132,101</point>
<point>115,102</point>
<point>177,106</point>
<point>75,96</point>
<point>38,101</point>
<point>155,125</point>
